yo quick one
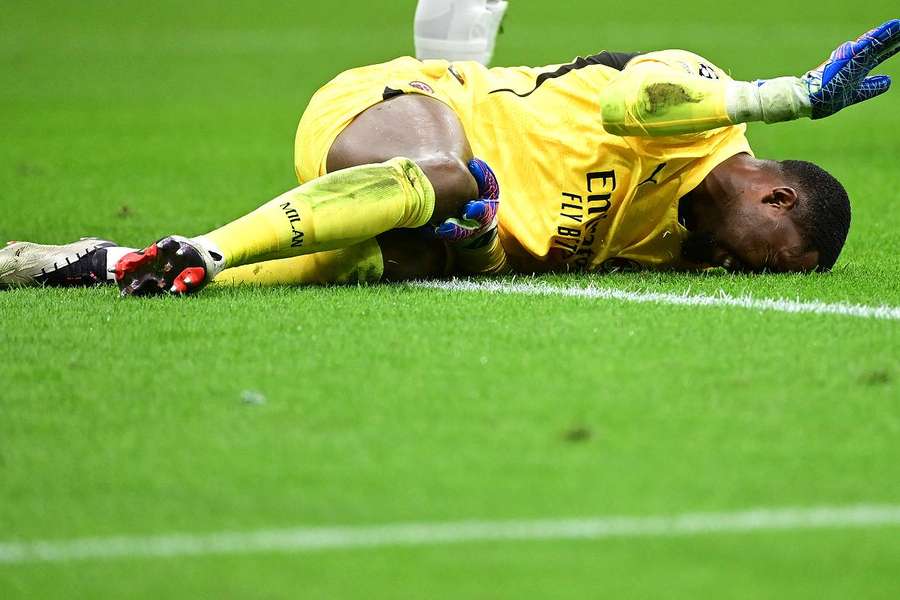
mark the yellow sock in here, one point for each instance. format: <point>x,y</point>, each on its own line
<point>341,209</point>
<point>361,263</point>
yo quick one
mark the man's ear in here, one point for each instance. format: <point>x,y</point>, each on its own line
<point>784,198</point>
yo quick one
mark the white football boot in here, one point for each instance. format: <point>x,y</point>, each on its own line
<point>24,264</point>
<point>457,30</point>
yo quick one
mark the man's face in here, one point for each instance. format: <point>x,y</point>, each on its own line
<point>751,232</point>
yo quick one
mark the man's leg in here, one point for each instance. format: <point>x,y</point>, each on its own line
<point>398,255</point>
<point>428,132</point>
<point>438,144</point>
<point>91,262</point>
<point>362,263</point>
<point>359,199</point>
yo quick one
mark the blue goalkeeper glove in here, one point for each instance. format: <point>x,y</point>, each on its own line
<point>479,216</point>
<point>843,80</point>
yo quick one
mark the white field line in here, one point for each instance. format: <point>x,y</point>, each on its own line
<point>434,534</point>
<point>890,313</point>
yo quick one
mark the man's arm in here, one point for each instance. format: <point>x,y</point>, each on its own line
<point>654,98</point>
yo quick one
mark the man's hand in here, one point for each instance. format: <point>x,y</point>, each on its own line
<point>843,80</point>
<point>479,216</point>
<point>474,240</point>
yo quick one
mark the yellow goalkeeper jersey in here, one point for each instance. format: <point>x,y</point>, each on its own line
<point>573,196</point>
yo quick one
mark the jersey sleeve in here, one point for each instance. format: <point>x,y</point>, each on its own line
<point>667,93</point>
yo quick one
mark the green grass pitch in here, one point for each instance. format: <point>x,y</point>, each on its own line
<point>388,405</point>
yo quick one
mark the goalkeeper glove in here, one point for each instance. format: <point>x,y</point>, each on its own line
<point>479,216</point>
<point>841,81</point>
<point>474,239</point>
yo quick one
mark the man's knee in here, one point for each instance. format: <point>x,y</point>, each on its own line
<point>453,184</point>
<point>448,173</point>
<point>437,144</point>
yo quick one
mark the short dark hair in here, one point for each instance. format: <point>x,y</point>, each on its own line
<point>823,209</point>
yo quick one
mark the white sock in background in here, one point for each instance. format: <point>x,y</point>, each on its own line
<point>458,29</point>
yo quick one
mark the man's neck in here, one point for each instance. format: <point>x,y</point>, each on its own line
<point>707,201</point>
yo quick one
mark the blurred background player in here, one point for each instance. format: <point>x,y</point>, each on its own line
<point>457,30</point>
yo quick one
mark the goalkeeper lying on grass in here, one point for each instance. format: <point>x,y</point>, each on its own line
<point>612,161</point>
